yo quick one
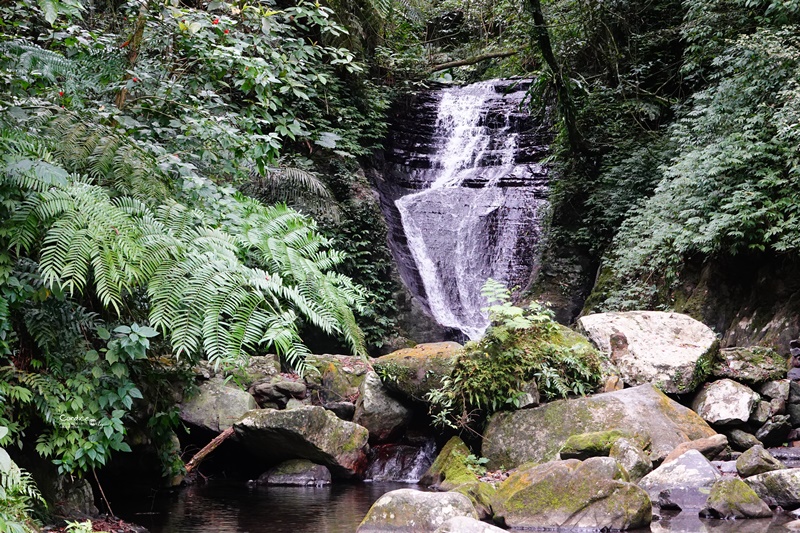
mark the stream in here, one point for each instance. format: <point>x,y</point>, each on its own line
<point>227,507</point>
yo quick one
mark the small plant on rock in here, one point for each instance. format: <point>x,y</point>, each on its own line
<point>521,345</point>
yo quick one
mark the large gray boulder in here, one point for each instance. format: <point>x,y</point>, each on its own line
<point>381,414</point>
<point>668,349</point>
<point>731,498</point>
<point>311,433</point>
<point>571,494</point>
<point>414,372</point>
<point>725,402</point>
<point>683,483</point>
<point>465,524</point>
<point>413,511</point>
<point>217,406</point>
<point>750,365</point>
<point>780,487</point>
<point>536,435</point>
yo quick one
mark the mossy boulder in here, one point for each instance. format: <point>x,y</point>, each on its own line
<point>731,498</point>
<point>335,378</point>
<point>756,461</point>
<point>480,493</point>
<point>414,372</point>
<point>296,472</point>
<point>570,494</point>
<point>594,444</point>
<point>217,405</point>
<point>630,455</point>
<point>413,511</point>
<point>309,432</point>
<point>777,488</point>
<point>450,468</point>
<point>752,365</point>
<point>672,350</point>
<point>537,435</point>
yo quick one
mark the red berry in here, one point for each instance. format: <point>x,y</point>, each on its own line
<point>60,93</point>
<point>226,32</point>
<point>135,80</point>
<point>215,21</point>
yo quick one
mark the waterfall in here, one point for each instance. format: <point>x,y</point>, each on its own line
<point>400,462</point>
<point>473,200</point>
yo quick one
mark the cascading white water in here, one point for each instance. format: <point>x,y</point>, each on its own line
<point>478,207</point>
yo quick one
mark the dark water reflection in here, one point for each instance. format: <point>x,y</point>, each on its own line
<point>237,508</point>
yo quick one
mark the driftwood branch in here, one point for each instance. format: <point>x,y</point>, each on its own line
<point>471,60</point>
<point>207,449</point>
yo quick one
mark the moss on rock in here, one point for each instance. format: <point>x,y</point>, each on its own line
<point>450,468</point>
<point>566,494</point>
<point>594,444</point>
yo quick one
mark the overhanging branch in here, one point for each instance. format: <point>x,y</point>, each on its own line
<point>471,60</point>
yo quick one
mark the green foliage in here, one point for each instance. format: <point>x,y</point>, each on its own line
<point>520,346</point>
<point>732,184</point>
<point>18,494</point>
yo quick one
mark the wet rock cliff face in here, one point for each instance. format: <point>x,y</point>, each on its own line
<point>464,194</point>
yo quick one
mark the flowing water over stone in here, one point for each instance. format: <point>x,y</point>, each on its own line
<point>465,194</point>
<point>400,462</point>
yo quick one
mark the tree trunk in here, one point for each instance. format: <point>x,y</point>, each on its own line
<point>471,60</point>
<point>566,108</point>
<point>207,449</point>
<point>133,45</point>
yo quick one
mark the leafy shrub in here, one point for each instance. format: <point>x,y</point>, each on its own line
<point>18,494</point>
<point>521,345</point>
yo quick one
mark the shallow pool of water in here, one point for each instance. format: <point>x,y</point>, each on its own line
<point>238,508</point>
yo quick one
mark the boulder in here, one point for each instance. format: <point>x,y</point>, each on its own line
<point>381,414</point>
<point>73,498</point>
<point>480,493</point>
<point>725,402</point>
<point>710,447</point>
<point>413,372</point>
<point>775,390</point>
<point>595,444</point>
<point>310,433</point>
<point>751,365</point>
<point>413,511</point>
<point>278,390</point>
<point>731,498</point>
<point>683,483</point>
<point>296,472</point>
<point>756,461</point>
<point>450,468</point>
<point>337,378</point>
<point>774,431</point>
<point>344,410</point>
<point>761,413</point>
<point>632,458</point>
<point>217,406</point>
<point>537,435</point>
<point>465,524</point>
<point>741,440</point>
<point>570,494</point>
<point>779,487</point>
<point>669,349</point>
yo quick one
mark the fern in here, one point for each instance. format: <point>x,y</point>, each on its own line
<point>206,289</point>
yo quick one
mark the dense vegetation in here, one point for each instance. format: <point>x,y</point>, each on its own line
<point>678,137</point>
<point>182,181</point>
